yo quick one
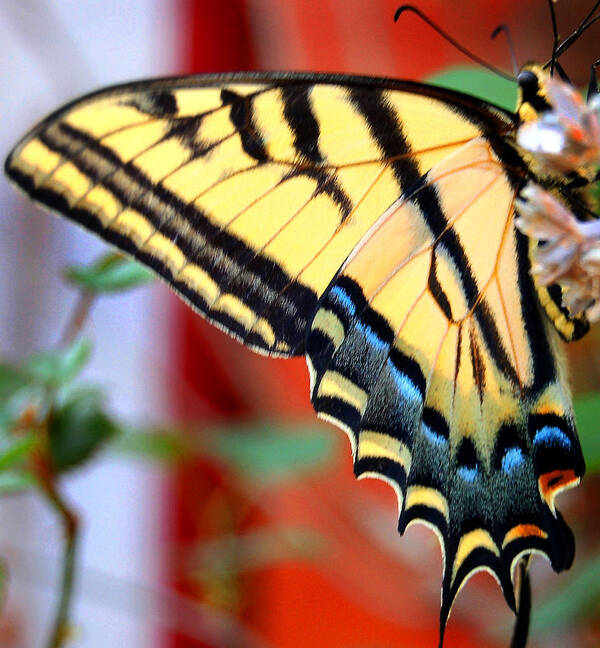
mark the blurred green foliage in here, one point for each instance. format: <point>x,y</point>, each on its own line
<point>587,414</point>
<point>479,82</point>
<point>52,421</point>
<point>110,274</point>
<point>53,369</point>
<point>577,599</point>
<point>263,453</point>
<point>78,427</point>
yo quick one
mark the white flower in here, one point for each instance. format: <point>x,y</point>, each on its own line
<point>566,138</point>
<point>569,253</point>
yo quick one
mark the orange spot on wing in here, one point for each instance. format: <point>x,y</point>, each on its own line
<point>550,408</point>
<point>552,482</point>
<point>523,531</point>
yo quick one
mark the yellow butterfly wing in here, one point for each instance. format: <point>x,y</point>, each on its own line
<point>214,183</point>
<point>368,224</point>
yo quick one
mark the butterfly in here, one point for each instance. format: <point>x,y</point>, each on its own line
<point>367,224</point>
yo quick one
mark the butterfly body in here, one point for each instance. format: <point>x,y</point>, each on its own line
<point>368,224</point>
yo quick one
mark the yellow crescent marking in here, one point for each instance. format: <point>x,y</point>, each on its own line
<point>427,496</point>
<point>338,386</point>
<point>476,539</point>
<point>107,206</point>
<point>134,226</point>
<point>330,324</point>
<point>165,250</point>
<point>70,178</point>
<point>378,444</point>
<point>264,329</point>
<point>199,281</point>
<point>243,314</point>
<point>36,160</point>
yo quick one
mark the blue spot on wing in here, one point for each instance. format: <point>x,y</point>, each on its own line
<point>372,338</point>
<point>407,388</point>
<point>339,295</point>
<point>468,473</point>
<point>551,436</point>
<point>512,459</point>
<point>432,435</point>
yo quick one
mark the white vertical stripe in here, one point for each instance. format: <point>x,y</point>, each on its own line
<point>52,52</point>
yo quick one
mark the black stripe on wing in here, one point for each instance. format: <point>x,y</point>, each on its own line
<point>220,253</point>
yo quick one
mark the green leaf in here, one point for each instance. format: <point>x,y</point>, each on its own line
<point>18,391</point>
<point>158,446</point>
<point>12,379</point>
<point>578,599</point>
<point>263,452</point>
<point>13,450</point>
<point>587,407</point>
<point>14,481</point>
<point>55,368</point>
<point>479,82</point>
<point>78,428</point>
<point>273,452</point>
<point>112,273</point>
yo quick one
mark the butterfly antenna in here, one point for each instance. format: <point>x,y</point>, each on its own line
<point>449,39</point>
<point>593,86</point>
<point>556,37</point>
<point>561,72</point>
<point>586,23</point>
<point>511,46</point>
<point>523,586</point>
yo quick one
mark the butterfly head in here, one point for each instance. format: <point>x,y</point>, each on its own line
<point>532,92</point>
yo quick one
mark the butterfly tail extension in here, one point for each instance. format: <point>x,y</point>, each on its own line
<point>522,584</point>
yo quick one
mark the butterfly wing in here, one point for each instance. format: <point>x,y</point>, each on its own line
<point>446,375</point>
<point>367,223</point>
<point>246,193</point>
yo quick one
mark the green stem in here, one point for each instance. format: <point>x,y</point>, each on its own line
<point>70,524</point>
